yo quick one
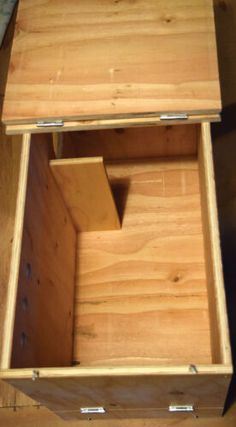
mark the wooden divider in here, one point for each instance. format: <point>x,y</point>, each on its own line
<point>87,193</point>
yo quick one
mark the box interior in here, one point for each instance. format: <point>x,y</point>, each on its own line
<point>138,295</point>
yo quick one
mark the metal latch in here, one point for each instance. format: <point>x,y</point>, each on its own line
<point>46,124</point>
<point>183,116</point>
<point>98,410</point>
<point>181,408</point>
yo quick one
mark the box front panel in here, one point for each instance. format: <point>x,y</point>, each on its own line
<point>127,393</point>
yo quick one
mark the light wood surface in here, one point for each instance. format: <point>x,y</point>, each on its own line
<point>87,194</point>
<point>114,123</point>
<point>35,417</point>
<point>224,151</point>
<point>44,310</point>
<point>101,59</point>
<point>130,393</point>
<point>134,284</point>
<point>216,293</point>
<point>12,275</point>
<point>10,153</point>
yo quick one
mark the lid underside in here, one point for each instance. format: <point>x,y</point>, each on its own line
<point>95,59</point>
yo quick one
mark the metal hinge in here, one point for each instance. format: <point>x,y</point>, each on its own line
<point>98,410</point>
<point>183,116</point>
<point>181,408</point>
<point>46,124</point>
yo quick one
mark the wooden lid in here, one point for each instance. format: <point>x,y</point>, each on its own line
<point>100,59</point>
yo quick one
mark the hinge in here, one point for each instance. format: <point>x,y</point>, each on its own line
<point>98,410</point>
<point>181,408</point>
<point>45,124</point>
<point>183,116</point>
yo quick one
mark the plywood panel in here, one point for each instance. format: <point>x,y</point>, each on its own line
<point>217,306</point>
<point>13,242</point>
<point>44,310</point>
<point>87,194</point>
<point>133,285</point>
<point>159,141</point>
<point>10,155</point>
<point>104,59</point>
<point>27,416</point>
<point>131,393</point>
<point>10,397</point>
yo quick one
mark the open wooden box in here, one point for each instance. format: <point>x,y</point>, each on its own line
<point>118,322</point>
<point>127,320</point>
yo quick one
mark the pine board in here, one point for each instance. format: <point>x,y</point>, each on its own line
<point>87,194</point>
<point>135,283</point>
<point>100,59</point>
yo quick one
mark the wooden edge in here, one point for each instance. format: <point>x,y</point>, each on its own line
<point>205,152</point>
<point>87,193</point>
<point>76,161</point>
<point>8,326</point>
<point>74,372</point>
<point>57,142</point>
<point>77,125</point>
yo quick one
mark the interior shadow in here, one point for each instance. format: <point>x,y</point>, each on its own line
<point>224,149</point>
<point>120,190</point>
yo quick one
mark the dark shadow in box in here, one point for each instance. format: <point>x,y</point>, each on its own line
<point>224,150</point>
<point>120,191</point>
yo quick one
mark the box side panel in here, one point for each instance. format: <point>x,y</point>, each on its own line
<point>14,170</point>
<point>44,310</point>
<point>10,152</point>
<point>221,351</point>
<point>132,143</point>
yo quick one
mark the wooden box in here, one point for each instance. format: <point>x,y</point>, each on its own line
<point>115,305</point>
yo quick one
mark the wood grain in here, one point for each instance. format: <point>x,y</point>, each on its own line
<point>13,243</point>
<point>10,397</point>
<point>10,154</point>
<point>100,59</point>
<point>87,194</point>
<point>31,416</point>
<point>125,396</point>
<point>44,310</point>
<point>216,293</point>
<point>134,284</point>
<point>130,143</point>
<point>114,123</point>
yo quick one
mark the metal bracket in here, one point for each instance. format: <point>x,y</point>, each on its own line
<point>183,116</point>
<point>98,410</point>
<point>181,408</point>
<point>46,124</point>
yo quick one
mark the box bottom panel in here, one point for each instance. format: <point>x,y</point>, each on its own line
<point>141,292</point>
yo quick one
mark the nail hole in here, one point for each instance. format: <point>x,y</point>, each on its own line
<point>28,271</point>
<point>120,130</point>
<point>23,340</point>
<point>25,303</point>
